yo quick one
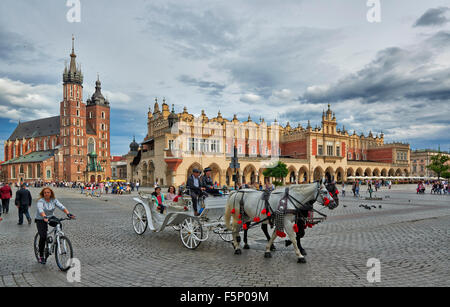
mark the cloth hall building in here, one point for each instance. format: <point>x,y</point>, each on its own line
<point>177,143</point>
<point>73,146</point>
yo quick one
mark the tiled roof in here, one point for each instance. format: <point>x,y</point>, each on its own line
<point>37,156</point>
<point>37,128</point>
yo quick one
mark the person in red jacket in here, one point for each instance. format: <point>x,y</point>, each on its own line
<point>5,195</point>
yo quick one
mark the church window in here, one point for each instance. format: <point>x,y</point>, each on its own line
<point>91,145</point>
<point>103,115</point>
<point>45,144</point>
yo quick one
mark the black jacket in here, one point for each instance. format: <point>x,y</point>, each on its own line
<point>23,198</point>
<point>190,185</point>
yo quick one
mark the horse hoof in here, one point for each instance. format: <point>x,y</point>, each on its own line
<point>267,255</point>
<point>237,252</point>
<point>246,246</point>
<point>301,260</point>
<point>303,252</point>
<point>272,248</point>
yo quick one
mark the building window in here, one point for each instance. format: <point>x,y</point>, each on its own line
<point>240,149</point>
<point>357,156</point>
<point>20,147</point>
<point>13,172</point>
<point>38,147</point>
<point>338,151</point>
<point>254,150</point>
<point>320,150</point>
<point>45,144</point>
<point>49,174</point>
<point>329,150</point>
<point>38,171</point>
<point>78,113</point>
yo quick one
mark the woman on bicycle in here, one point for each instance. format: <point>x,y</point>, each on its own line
<point>45,209</point>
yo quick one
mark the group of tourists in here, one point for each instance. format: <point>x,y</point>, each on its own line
<point>437,187</point>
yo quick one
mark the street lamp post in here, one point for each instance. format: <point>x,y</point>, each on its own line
<point>235,165</point>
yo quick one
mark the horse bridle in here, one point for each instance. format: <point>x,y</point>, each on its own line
<point>294,200</point>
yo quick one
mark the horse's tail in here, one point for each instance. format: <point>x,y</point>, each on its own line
<point>229,207</point>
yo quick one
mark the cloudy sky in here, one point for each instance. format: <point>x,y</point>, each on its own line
<point>284,60</point>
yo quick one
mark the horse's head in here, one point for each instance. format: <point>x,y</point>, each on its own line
<point>328,194</point>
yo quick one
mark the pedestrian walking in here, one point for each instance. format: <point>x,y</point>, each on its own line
<point>343,189</point>
<point>5,195</point>
<point>137,186</point>
<point>23,203</point>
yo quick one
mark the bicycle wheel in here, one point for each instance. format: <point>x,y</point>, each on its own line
<point>64,253</point>
<point>36,246</point>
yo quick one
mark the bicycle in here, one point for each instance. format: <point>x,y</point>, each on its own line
<point>56,243</point>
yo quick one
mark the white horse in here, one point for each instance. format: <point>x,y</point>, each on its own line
<point>254,210</point>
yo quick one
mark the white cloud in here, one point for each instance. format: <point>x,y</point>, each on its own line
<point>250,98</point>
<point>22,101</point>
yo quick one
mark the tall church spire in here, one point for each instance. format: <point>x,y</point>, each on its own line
<point>73,75</point>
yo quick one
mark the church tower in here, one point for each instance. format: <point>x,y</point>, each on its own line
<point>98,122</point>
<point>72,122</point>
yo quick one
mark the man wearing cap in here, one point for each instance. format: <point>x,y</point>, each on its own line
<point>208,183</point>
<point>196,189</point>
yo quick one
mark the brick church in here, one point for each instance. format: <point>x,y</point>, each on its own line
<point>73,146</point>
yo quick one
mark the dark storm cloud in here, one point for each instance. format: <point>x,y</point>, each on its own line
<point>433,17</point>
<point>212,88</point>
<point>13,46</point>
<point>395,74</point>
<point>194,32</point>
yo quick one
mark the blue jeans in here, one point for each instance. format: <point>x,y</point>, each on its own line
<point>22,211</point>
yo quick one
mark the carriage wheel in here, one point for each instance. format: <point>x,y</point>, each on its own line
<point>191,233</point>
<point>140,222</point>
<point>223,232</point>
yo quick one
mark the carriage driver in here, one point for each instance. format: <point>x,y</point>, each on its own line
<point>208,183</point>
<point>195,187</point>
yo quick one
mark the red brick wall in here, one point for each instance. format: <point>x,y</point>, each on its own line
<point>380,155</point>
<point>296,149</point>
<point>314,147</point>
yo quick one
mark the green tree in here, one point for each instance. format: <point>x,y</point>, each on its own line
<point>438,165</point>
<point>278,171</point>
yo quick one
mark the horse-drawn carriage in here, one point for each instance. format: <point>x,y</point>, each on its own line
<point>180,216</point>
<point>242,209</point>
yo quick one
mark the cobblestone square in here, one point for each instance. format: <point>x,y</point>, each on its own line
<point>409,234</point>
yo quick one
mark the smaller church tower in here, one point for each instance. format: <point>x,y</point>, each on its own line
<point>98,125</point>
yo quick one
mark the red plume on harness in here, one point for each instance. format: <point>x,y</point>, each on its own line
<point>256,219</point>
<point>245,227</point>
<point>264,212</point>
<point>337,192</point>
<point>240,222</point>
<point>233,211</point>
<point>269,214</point>
<point>295,228</point>
<point>281,234</point>
<point>326,201</point>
